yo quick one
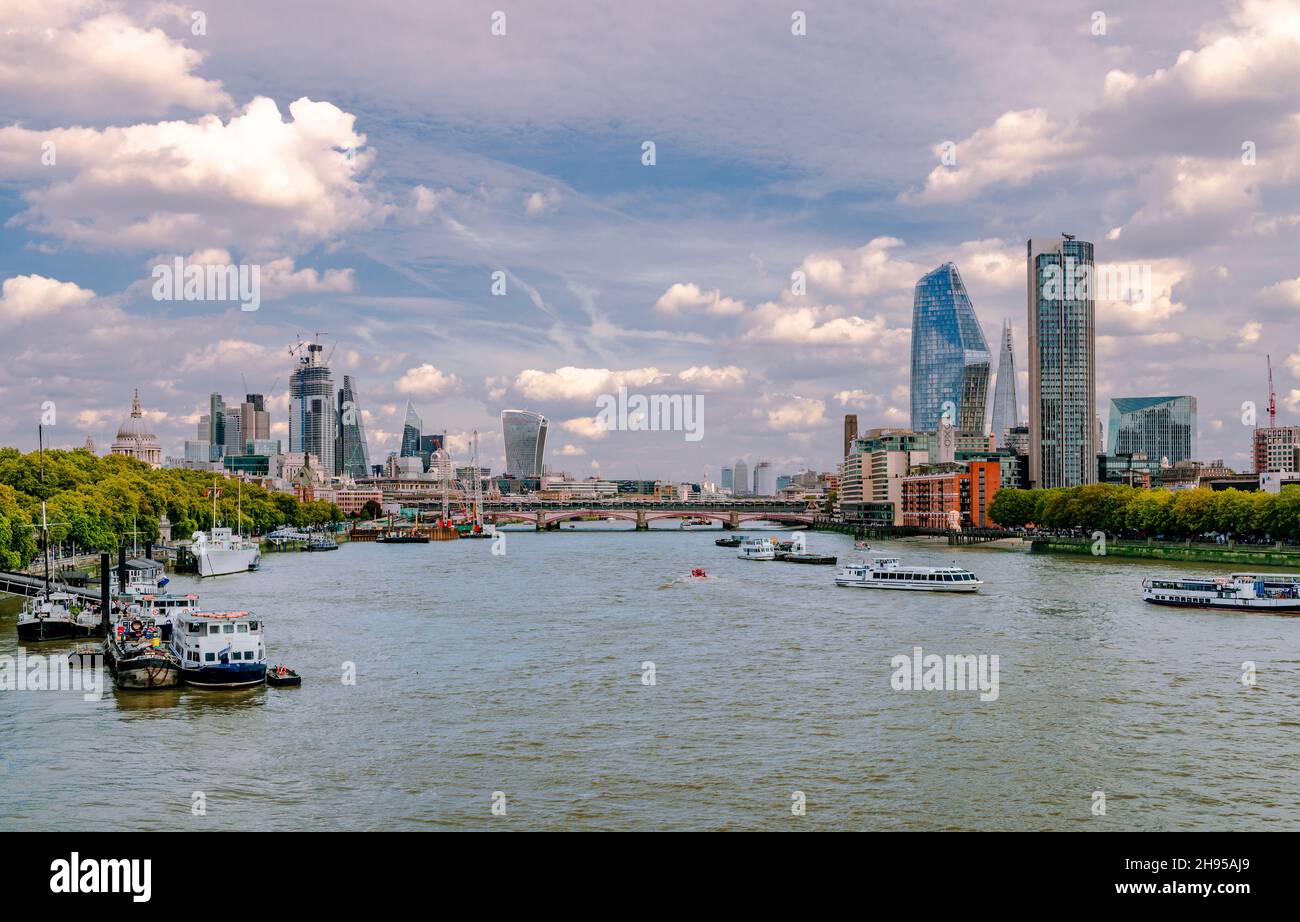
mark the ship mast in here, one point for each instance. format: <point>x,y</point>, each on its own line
<point>45,525</point>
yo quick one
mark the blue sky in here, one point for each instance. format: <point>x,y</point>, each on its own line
<point>522,153</point>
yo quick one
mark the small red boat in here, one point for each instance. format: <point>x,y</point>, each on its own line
<point>699,572</point>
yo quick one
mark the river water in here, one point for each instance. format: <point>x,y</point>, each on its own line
<point>517,680</point>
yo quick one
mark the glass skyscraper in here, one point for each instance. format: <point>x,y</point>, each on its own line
<point>411,434</point>
<point>313,416</point>
<point>353,455</point>
<point>950,357</point>
<point>741,479</point>
<point>525,437</point>
<point>1006,412</point>
<point>1062,363</point>
<point>1158,427</point>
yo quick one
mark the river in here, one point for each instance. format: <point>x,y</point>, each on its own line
<point>520,681</point>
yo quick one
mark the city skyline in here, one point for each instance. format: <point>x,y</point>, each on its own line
<point>683,283</point>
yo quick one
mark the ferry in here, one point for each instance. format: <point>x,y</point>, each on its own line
<point>223,552</point>
<point>758,549</point>
<point>136,655</point>
<point>220,649</point>
<point>1240,592</point>
<point>888,573</point>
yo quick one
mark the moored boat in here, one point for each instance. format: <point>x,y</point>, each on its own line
<point>220,649</point>
<point>808,557</point>
<point>729,541</point>
<point>758,549</point>
<point>223,552</point>
<point>55,615</point>
<point>281,676</point>
<point>888,573</point>
<point>138,656</point>
<point>1242,592</point>
<point>321,543</point>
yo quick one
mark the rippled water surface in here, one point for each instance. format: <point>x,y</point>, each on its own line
<point>523,674</point>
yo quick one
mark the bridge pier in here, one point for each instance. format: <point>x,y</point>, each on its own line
<point>641,523</point>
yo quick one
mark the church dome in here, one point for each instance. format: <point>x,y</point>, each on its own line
<point>134,426</point>
<point>134,438</point>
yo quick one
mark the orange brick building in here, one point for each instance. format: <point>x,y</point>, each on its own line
<point>952,499</point>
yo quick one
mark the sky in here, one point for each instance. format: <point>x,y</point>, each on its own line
<point>379,163</point>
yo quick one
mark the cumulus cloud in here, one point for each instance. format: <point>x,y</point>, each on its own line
<point>588,427</point>
<point>426,381</point>
<point>256,182</point>
<point>83,59</point>
<point>792,413</point>
<point>689,296</point>
<point>705,376</point>
<point>571,383</point>
<point>26,296</point>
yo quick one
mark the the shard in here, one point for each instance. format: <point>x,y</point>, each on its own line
<point>1006,412</point>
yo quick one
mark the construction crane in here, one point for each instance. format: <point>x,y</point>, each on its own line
<point>1272,396</point>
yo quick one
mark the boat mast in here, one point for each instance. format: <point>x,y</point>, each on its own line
<point>214,502</point>
<point>478,488</point>
<point>45,525</point>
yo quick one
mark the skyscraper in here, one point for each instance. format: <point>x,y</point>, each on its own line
<point>950,357</point>
<point>313,416</point>
<point>742,479</point>
<point>525,438</point>
<point>728,480</point>
<point>353,454</point>
<point>411,434</point>
<point>216,426</point>
<point>764,479</point>
<point>850,431</point>
<point>1062,363</point>
<point>254,420</point>
<point>1006,412</point>
<point>1158,427</point>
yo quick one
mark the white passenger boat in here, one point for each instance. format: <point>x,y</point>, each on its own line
<point>758,549</point>
<point>1240,592</point>
<point>55,615</point>
<point>887,573</point>
<point>219,649</point>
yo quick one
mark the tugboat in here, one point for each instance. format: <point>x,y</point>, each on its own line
<point>729,541</point>
<point>886,573</point>
<point>136,655</point>
<point>219,649</point>
<point>282,676</point>
<point>1235,593</point>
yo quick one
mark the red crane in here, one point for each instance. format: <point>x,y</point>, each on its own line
<point>1272,397</point>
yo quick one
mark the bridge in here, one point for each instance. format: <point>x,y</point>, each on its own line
<point>546,514</point>
<point>24,584</point>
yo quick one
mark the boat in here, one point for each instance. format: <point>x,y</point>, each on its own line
<point>861,546</point>
<point>1272,580</point>
<point>163,607</point>
<point>56,615</point>
<point>696,522</point>
<point>321,543</point>
<point>808,557</point>
<point>402,536</point>
<point>282,676</point>
<point>1234,593</point>
<point>888,573</point>
<point>699,573</point>
<point>758,549</point>
<point>730,541</point>
<point>219,649</point>
<point>138,656</point>
<point>222,551</point>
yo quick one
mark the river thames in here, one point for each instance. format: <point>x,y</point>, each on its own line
<point>520,680</point>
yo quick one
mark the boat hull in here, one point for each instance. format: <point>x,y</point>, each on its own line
<point>222,562</point>
<point>232,675</point>
<point>1259,606</point>
<point>47,629</point>
<point>140,672</point>
<point>972,586</point>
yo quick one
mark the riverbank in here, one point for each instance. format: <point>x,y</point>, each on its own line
<point>1250,555</point>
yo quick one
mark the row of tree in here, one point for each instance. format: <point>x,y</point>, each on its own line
<point>102,502</point>
<point>1131,511</point>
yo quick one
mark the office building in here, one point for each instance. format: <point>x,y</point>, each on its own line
<point>352,454</point>
<point>950,357</point>
<point>525,440</point>
<point>742,479</point>
<point>1062,363</point>
<point>1161,428</point>
<point>313,414</point>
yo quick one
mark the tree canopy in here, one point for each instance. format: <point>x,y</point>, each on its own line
<point>99,502</point>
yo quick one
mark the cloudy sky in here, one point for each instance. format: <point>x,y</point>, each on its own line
<point>381,161</point>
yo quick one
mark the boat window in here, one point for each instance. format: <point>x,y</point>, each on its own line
<point>227,628</point>
<point>242,628</point>
<point>194,628</point>
<point>210,657</point>
<point>214,629</point>
<point>252,626</point>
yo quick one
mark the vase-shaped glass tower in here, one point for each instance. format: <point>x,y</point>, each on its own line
<point>950,357</point>
<point>1006,411</point>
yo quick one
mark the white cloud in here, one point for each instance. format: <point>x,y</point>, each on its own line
<point>26,296</point>
<point>715,378</point>
<point>426,381</point>
<point>53,63</point>
<point>571,383</point>
<point>585,426</point>
<point>689,296</point>
<point>791,413</point>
